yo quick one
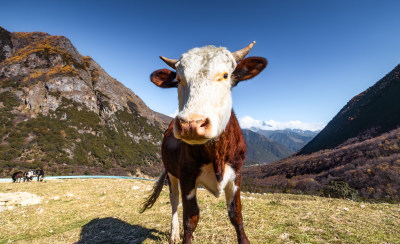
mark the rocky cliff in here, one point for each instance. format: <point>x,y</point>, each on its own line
<point>61,111</point>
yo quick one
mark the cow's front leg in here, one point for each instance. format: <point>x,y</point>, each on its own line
<point>191,212</point>
<point>232,195</point>
<point>174,198</point>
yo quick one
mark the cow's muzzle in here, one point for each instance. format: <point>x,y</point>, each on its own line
<point>195,129</point>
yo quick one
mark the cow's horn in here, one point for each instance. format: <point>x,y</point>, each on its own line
<point>171,62</point>
<point>239,55</point>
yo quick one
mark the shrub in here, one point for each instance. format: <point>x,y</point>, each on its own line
<point>340,189</point>
<point>9,99</point>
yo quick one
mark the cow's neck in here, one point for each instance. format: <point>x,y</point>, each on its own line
<point>223,149</point>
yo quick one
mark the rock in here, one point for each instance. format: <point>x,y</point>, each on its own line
<point>284,236</point>
<point>18,198</point>
<point>30,201</point>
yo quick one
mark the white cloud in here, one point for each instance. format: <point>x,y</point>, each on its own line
<point>174,114</point>
<point>248,122</point>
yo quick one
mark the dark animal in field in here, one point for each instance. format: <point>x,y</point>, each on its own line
<point>204,144</point>
<point>16,177</point>
<point>28,175</point>
<point>27,178</point>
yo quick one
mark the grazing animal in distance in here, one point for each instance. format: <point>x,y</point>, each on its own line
<point>39,173</point>
<point>204,144</point>
<point>16,177</point>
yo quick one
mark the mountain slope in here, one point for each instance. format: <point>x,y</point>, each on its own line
<point>372,112</point>
<point>261,149</point>
<point>371,167</point>
<point>360,157</point>
<point>62,111</point>
<point>292,139</point>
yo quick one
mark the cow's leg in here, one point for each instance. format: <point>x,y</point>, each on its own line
<point>191,212</point>
<point>232,195</point>
<point>174,198</point>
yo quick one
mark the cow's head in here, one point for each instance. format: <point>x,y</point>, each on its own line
<point>204,78</point>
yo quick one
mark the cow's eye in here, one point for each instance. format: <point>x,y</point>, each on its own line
<point>225,76</point>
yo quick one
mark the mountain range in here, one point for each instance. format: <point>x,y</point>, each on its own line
<point>266,146</point>
<point>357,153</point>
<point>261,149</point>
<point>294,139</point>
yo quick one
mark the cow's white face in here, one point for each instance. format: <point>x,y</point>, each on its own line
<point>204,91</point>
<point>204,77</point>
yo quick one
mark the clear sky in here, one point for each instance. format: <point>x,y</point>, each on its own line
<point>320,53</point>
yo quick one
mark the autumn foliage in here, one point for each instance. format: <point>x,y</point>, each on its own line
<point>371,167</point>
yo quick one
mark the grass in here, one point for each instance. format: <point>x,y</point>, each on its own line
<point>106,210</point>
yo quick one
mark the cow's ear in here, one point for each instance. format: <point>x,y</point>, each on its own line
<point>164,78</point>
<point>248,68</point>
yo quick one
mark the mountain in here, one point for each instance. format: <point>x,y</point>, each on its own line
<point>62,112</point>
<point>294,139</point>
<point>369,168</point>
<point>261,149</point>
<point>370,113</point>
<point>362,156</point>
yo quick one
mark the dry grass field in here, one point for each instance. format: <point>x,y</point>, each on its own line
<point>106,211</point>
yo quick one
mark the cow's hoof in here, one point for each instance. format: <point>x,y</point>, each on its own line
<point>175,239</point>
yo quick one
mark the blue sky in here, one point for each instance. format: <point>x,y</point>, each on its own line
<point>320,53</point>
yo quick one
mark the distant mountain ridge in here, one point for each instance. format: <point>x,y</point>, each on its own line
<point>261,149</point>
<point>294,139</point>
<point>370,113</point>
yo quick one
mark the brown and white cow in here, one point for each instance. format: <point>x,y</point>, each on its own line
<point>204,144</point>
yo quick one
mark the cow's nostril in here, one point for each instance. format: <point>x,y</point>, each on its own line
<point>179,124</point>
<point>206,123</point>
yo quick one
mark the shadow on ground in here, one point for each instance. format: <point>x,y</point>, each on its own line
<point>112,230</point>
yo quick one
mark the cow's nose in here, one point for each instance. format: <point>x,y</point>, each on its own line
<point>192,128</point>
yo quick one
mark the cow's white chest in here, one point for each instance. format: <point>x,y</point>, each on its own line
<point>208,180</point>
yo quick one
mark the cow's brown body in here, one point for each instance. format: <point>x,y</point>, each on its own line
<point>185,161</point>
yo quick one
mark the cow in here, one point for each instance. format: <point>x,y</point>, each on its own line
<point>16,177</point>
<point>39,173</point>
<point>204,145</point>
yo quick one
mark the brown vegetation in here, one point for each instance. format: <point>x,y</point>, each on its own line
<point>371,167</point>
